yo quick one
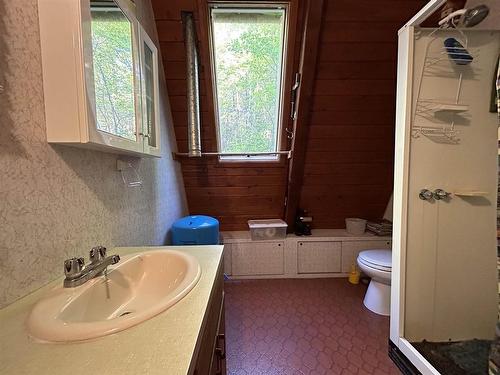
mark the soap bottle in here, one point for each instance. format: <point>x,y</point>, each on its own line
<point>354,275</point>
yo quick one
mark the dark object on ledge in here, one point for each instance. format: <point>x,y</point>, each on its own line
<point>302,226</point>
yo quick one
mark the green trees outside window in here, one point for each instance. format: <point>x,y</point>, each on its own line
<point>113,72</point>
<point>248,52</point>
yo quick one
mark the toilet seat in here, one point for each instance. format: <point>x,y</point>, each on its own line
<point>377,259</point>
<point>377,265</point>
<point>374,266</point>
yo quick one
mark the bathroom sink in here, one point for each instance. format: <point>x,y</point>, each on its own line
<point>139,287</point>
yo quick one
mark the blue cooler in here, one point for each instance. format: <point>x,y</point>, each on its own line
<point>196,230</point>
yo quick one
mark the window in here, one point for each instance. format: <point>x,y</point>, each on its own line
<point>247,61</point>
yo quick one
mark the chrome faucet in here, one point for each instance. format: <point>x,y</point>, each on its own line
<point>77,273</point>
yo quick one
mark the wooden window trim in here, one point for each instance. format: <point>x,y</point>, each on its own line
<point>289,68</point>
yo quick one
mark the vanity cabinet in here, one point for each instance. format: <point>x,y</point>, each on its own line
<point>211,357</point>
<point>100,76</point>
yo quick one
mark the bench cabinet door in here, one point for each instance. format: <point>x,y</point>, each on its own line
<point>227,259</point>
<point>319,257</point>
<point>257,258</point>
<point>351,249</point>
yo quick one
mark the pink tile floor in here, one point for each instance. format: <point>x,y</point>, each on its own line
<point>303,326</point>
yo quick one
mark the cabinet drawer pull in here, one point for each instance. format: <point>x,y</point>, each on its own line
<point>219,354</point>
<point>222,348</point>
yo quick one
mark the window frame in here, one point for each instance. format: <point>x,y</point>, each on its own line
<point>93,133</point>
<point>146,41</point>
<point>282,117</point>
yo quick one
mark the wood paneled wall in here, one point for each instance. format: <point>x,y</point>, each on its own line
<point>349,158</point>
<point>231,192</point>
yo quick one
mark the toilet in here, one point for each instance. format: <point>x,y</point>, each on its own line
<point>377,264</point>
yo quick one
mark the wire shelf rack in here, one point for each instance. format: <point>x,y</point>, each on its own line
<point>436,118</point>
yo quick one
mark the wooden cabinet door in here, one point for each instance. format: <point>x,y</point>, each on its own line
<point>351,250</point>
<point>206,358</point>
<point>257,258</point>
<point>318,257</point>
<point>219,358</point>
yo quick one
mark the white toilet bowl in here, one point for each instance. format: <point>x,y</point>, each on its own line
<point>377,264</point>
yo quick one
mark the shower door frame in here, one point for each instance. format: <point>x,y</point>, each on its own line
<point>401,176</point>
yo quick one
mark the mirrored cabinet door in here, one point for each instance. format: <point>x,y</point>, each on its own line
<point>100,72</point>
<point>113,70</point>
<point>113,74</point>
<point>150,93</point>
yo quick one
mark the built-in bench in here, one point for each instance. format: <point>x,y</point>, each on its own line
<point>326,253</point>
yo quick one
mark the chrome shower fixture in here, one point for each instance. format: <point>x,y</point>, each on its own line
<point>465,17</point>
<point>474,16</point>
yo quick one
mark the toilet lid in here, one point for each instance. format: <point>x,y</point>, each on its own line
<point>379,259</point>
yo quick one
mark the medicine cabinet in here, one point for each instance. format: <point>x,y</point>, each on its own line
<point>100,76</point>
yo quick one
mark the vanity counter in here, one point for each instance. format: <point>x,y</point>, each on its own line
<point>164,344</point>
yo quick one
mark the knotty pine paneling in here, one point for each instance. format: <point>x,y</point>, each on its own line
<point>231,192</point>
<point>349,159</point>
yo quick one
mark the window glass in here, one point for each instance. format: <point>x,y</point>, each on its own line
<point>113,70</point>
<point>248,63</point>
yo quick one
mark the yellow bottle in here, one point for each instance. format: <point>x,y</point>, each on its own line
<point>354,275</point>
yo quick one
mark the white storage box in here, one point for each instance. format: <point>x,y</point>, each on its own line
<point>355,225</point>
<point>270,229</point>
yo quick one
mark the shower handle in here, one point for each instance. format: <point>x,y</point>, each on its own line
<point>425,195</point>
<point>440,194</point>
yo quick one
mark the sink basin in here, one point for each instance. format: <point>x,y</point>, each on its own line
<point>139,287</point>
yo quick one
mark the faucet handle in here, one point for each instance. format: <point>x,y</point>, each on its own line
<point>97,254</point>
<point>73,266</point>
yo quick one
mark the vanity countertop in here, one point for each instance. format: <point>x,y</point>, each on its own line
<point>164,344</point>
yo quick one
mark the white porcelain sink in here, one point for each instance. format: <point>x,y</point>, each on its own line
<point>139,287</point>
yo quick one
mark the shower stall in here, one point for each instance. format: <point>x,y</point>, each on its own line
<point>444,266</point>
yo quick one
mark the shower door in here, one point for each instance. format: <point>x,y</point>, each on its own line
<point>452,183</point>
<point>444,278</point>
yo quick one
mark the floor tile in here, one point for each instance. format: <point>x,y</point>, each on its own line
<point>303,326</point>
